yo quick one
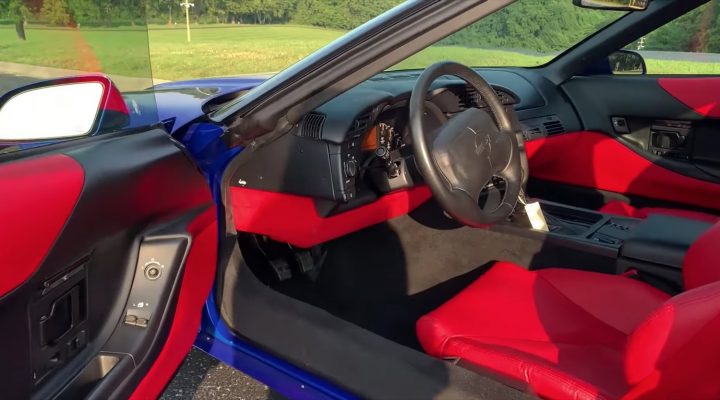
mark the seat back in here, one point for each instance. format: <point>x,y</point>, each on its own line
<point>702,261</point>
<point>675,352</point>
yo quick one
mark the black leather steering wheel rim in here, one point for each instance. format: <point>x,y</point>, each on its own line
<point>470,151</point>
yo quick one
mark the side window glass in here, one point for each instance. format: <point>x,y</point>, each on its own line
<point>689,45</point>
<point>53,55</point>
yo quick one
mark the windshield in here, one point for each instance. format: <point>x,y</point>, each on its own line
<point>43,39</point>
<point>241,37</point>
<point>261,38</point>
<point>527,33</point>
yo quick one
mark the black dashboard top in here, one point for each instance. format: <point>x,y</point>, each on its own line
<point>367,100</point>
<point>355,147</point>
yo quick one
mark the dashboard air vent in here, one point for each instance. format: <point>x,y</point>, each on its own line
<point>554,127</point>
<point>469,98</point>
<point>312,125</point>
<point>361,124</point>
<point>541,127</point>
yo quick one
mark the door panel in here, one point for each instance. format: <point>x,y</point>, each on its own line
<point>117,204</point>
<point>27,236</point>
<point>702,95</point>
<point>654,138</point>
<point>597,98</point>
<point>197,280</point>
<point>596,160</point>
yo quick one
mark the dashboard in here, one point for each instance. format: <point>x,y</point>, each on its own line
<point>358,147</point>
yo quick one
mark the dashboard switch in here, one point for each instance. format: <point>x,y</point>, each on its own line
<point>350,168</point>
<point>153,270</point>
<point>620,125</point>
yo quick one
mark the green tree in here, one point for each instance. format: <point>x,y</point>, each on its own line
<point>17,10</point>
<point>340,14</point>
<point>696,31</point>
<point>540,25</point>
<point>84,12</point>
<point>56,12</point>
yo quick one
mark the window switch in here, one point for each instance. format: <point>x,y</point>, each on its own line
<point>131,319</point>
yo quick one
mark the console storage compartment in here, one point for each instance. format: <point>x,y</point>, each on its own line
<point>587,226</point>
<point>579,231</point>
<point>569,220</point>
<point>658,246</point>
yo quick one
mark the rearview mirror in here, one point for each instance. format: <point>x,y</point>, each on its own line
<point>618,5</point>
<point>61,108</point>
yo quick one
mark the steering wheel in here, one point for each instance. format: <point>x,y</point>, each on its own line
<point>469,152</point>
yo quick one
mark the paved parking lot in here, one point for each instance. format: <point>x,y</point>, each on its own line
<point>202,377</point>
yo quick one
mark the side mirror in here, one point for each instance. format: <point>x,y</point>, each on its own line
<point>62,108</point>
<point>617,5</point>
<point>625,62</point>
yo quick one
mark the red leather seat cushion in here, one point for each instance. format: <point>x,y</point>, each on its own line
<point>626,210</point>
<point>563,332</point>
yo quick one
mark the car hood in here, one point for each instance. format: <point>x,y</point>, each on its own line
<point>182,102</point>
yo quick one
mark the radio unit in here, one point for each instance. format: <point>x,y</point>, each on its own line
<point>671,139</point>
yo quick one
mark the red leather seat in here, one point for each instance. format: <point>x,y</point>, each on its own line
<point>626,210</point>
<point>569,334</point>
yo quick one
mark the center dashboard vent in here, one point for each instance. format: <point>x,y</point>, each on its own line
<point>554,127</point>
<point>312,125</point>
<point>469,97</point>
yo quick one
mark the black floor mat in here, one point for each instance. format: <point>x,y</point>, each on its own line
<point>386,277</point>
<point>367,365</point>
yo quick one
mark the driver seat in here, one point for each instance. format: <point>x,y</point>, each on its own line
<point>571,334</point>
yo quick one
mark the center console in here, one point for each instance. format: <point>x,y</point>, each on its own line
<point>588,230</point>
<point>655,246</point>
<point>658,246</point>
<point>588,225</point>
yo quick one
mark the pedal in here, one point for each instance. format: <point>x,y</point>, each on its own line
<point>304,260</point>
<point>281,268</point>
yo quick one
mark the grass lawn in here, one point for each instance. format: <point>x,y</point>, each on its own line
<point>231,50</point>
<point>115,51</point>
<point>223,50</point>
<point>660,67</point>
<point>471,56</point>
